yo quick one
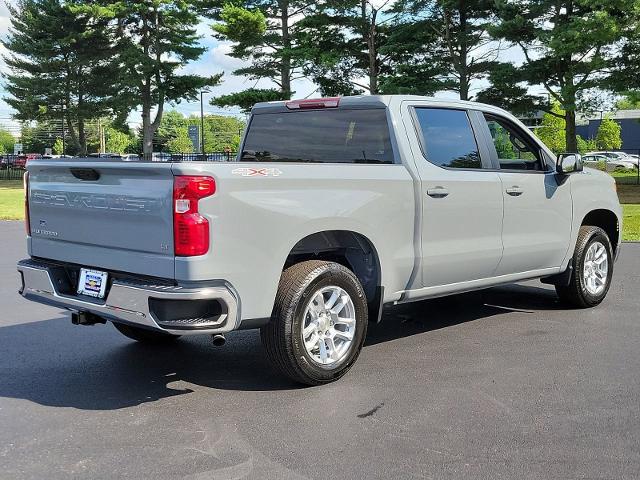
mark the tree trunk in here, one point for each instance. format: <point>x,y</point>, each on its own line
<point>82,138</point>
<point>570,131</point>
<point>463,65</point>
<point>71,132</point>
<point>285,65</point>
<point>369,38</point>
<point>147,131</point>
<point>464,88</point>
<point>373,58</point>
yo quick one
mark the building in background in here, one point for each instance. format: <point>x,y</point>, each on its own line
<point>629,120</point>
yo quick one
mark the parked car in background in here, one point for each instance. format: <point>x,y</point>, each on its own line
<point>160,157</point>
<point>21,161</point>
<point>611,162</point>
<point>618,156</point>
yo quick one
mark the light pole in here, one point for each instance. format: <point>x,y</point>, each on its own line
<point>63,130</point>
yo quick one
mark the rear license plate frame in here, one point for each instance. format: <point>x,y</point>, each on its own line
<point>92,283</point>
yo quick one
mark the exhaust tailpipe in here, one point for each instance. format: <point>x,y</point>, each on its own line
<point>218,340</point>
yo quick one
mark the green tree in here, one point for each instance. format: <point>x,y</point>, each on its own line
<point>629,101</point>
<point>569,46</point>
<point>181,143</point>
<point>40,135</point>
<point>156,39</point>
<point>609,135</point>
<point>248,98</point>
<point>585,146</point>
<point>58,147</point>
<point>457,39</point>
<point>173,124</point>
<point>7,140</point>
<point>117,141</point>
<point>265,33</point>
<point>58,63</point>
<point>220,132</point>
<point>552,133</point>
<point>347,46</point>
<point>552,130</point>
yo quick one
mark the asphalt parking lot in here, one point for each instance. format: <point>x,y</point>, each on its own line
<point>499,384</point>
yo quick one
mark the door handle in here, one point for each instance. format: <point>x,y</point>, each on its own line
<point>438,192</point>
<point>515,191</point>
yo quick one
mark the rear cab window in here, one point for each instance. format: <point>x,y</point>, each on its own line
<point>319,136</point>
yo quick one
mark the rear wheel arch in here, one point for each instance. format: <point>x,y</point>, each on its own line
<point>351,249</point>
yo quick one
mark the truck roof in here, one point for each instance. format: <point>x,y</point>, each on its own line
<point>367,101</point>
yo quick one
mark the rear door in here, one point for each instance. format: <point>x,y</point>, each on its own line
<point>461,198</point>
<point>105,214</point>
<point>537,205</point>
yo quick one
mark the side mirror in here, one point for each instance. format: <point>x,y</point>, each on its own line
<point>569,163</point>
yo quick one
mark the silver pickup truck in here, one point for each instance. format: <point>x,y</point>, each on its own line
<point>334,208</point>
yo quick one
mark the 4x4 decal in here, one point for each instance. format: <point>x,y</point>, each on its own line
<point>257,172</point>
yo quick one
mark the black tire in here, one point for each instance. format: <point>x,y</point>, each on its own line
<point>576,293</point>
<point>282,336</point>
<point>144,335</point>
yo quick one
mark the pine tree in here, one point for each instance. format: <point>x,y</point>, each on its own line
<point>456,38</point>
<point>343,42</point>
<point>264,33</point>
<point>58,63</point>
<point>569,46</point>
<point>155,40</point>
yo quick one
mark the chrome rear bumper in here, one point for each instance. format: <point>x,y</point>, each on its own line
<point>133,302</point>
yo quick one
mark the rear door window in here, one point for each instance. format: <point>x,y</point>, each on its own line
<point>447,138</point>
<point>319,136</point>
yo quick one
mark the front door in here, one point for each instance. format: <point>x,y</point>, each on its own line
<point>537,204</point>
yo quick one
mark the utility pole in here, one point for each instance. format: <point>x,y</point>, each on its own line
<point>103,142</point>
<point>63,132</point>
<point>202,92</point>
<point>202,121</point>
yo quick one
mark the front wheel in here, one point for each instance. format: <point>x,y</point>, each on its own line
<point>592,269</point>
<point>319,322</point>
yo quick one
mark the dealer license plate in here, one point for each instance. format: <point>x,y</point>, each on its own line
<point>92,283</point>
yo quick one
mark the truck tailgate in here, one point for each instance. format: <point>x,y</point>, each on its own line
<point>109,215</point>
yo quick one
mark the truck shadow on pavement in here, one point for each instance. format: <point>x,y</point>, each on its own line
<point>54,363</point>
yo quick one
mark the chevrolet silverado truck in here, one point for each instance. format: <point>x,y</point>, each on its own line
<point>332,209</point>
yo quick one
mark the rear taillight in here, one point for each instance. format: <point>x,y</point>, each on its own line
<point>190,229</point>
<point>27,221</point>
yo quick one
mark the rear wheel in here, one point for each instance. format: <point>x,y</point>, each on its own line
<point>143,335</point>
<point>319,322</point>
<point>593,269</point>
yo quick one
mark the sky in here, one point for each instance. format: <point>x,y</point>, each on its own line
<point>213,61</point>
